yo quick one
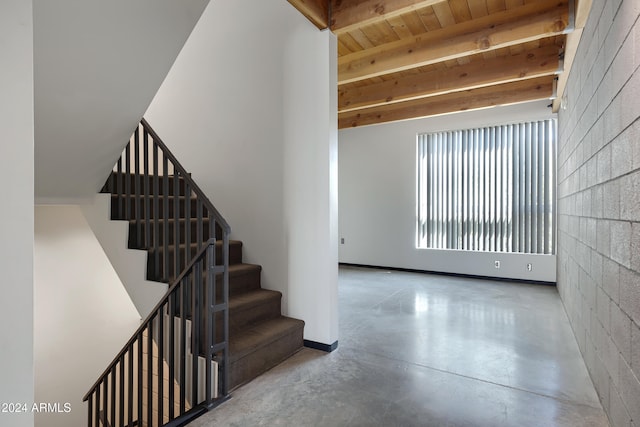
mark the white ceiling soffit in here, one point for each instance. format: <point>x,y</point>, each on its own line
<point>98,65</point>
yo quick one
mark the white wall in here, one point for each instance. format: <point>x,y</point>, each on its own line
<point>16,216</point>
<point>98,64</point>
<point>223,110</point>
<point>220,112</point>
<point>377,198</point>
<point>83,315</point>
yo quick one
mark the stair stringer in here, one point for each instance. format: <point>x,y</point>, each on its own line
<point>129,264</point>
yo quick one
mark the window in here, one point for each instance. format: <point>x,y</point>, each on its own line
<point>488,189</point>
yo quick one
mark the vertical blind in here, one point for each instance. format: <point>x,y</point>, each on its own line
<point>488,189</point>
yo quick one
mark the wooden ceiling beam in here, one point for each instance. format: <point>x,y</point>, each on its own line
<point>508,93</point>
<point>346,15</point>
<point>316,11</point>
<point>542,61</point>
<point>571,48</point>
<point>582,12</point>
<point>533,21</point>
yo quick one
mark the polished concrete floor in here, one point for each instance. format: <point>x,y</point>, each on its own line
<point>426,350</point>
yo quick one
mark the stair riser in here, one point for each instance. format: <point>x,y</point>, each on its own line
<point>241,283</point>
<point>259,361</point>
<point>119,207</point>
<point>244,283</point>
<point>242,316</point>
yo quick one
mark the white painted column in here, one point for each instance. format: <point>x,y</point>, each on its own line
<point>16,215</point>
<point>310,180</point>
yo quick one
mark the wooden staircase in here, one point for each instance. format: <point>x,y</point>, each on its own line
<point>259,336</point>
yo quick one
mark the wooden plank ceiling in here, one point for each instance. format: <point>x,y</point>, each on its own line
<point>403,59</point>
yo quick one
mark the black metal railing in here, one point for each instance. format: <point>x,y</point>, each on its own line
<point>152,189</point>
<point>156,379</point>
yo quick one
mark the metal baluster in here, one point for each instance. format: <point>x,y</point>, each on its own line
<point>165,204</point>
<point>119,190</point>
<point>150,373</point>
<point>209,325</point>
<point>121,393</point>
<point>187,222</point>
<point>147,202</point>
<point>136,157</point>
<point>195,335</point>
<point>199,223</point>
<point>127,182</point>
<point>225,301</point>
<point>176,220</point>
<point>176,224</point>
<point>97,409</point>
<point>156,216</point>
<point>183,343</point>
<point>130,386</point>
<point>140,376</point>
<point>113,395</point>
<point>171,355</point>
<point>160,318</point>
<point>105,400</point>
<point>200,286</point>
<point>90,410</point>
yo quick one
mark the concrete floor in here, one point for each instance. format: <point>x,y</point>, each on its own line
<point>425,350</point>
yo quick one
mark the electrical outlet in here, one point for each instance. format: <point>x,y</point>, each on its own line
<point>497,263</point>
<point>342,240</point>
<point>529,266</point>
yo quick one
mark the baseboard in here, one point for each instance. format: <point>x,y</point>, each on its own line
<point>444,273</point>
<point>321,346</point>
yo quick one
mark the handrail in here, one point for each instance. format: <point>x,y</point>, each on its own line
<point>169,216</point>
<point>152,315</point>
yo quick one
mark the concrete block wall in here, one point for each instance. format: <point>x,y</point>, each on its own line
<point>599,205</point>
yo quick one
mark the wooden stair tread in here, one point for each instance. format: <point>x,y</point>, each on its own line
<point>252,307</point>
<point>243,268</point>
